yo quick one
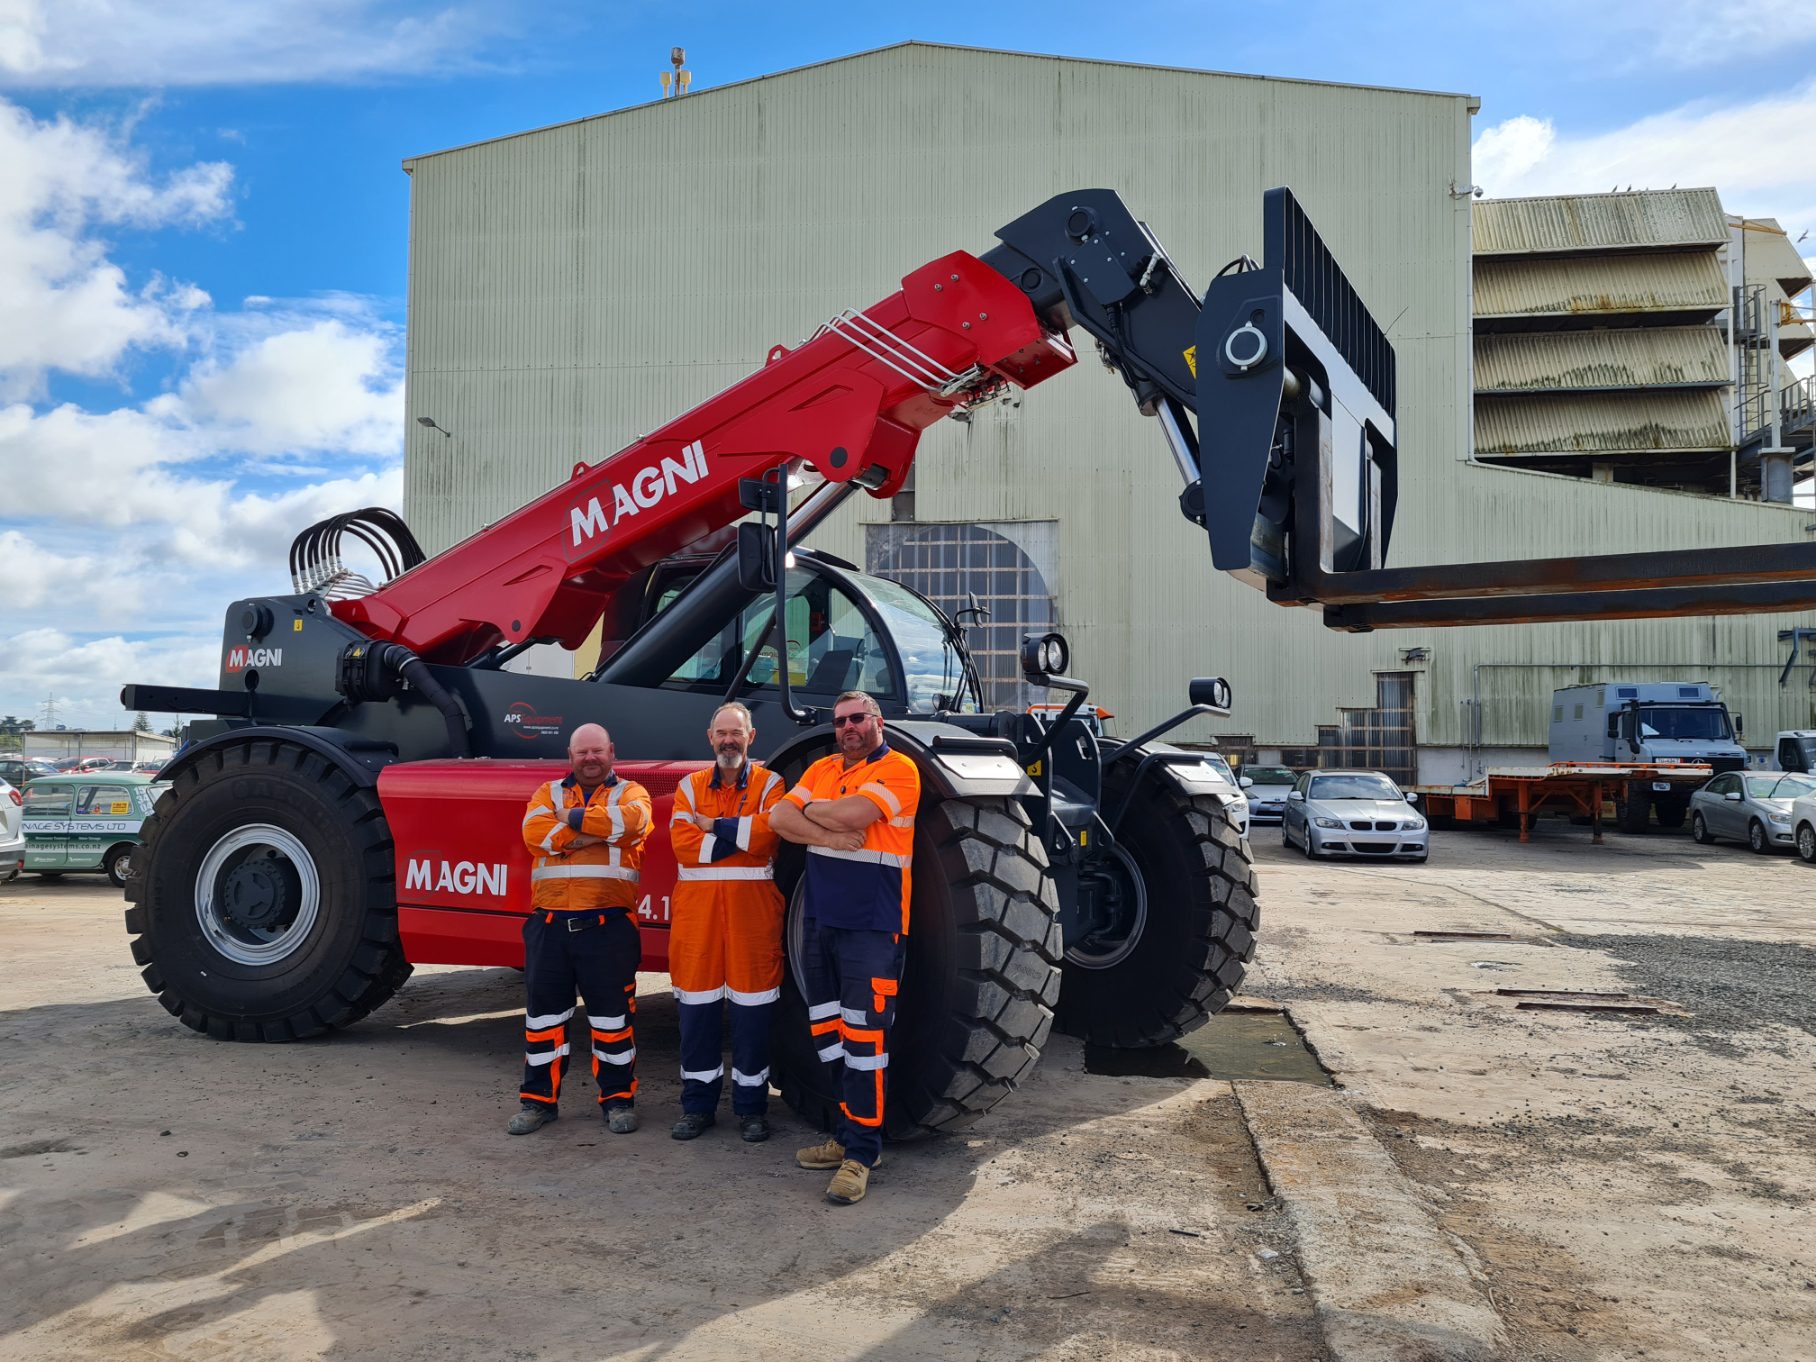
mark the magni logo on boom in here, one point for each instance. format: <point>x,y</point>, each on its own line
<point>640,493</point>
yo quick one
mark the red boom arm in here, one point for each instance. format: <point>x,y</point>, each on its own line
<point>852,402</point>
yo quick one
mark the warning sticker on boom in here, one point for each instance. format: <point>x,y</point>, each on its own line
<point>1191,360</point>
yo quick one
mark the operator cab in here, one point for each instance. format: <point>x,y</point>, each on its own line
<point>845,630</point>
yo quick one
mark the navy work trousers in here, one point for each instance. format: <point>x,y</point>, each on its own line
<point>852,977</point>
<point>597,954</point>
<point>703,1069</point>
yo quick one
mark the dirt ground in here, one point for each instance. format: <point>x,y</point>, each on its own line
<point>1629,1185</point>
<point>1632,1185</point>
<point>167,1196</point>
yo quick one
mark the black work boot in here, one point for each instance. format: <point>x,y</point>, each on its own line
<point>621,1120</point>
<point>692,1125</point>
<point>753,1129</point>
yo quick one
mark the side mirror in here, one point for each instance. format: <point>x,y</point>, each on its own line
<point>1296,798</point>
<point>1740,725</point>
<point>1412,797</point>
<point>1733,796</point>
<point>756,557</point>
<point>1245,782</point>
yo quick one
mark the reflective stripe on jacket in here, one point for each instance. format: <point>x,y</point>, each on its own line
<point>604,874</point>
<point>725,930</point>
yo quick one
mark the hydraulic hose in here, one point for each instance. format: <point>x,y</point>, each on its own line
<point>409,667</point>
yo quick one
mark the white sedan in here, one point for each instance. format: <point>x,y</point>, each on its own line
<point>12,833</point>
<point>1803,826</point>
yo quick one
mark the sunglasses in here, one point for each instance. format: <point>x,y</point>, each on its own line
<point>840,720</point>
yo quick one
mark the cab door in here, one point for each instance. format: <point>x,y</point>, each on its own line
<point>47,813</point>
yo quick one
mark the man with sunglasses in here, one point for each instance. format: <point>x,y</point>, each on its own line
<point>855,920</point>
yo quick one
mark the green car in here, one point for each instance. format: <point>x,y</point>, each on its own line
<point>87,822</point>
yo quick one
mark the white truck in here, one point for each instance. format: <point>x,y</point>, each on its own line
<point>1795,750</point>
<point>1652,722</point>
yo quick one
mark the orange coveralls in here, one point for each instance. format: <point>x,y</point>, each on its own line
<point>725,934</point>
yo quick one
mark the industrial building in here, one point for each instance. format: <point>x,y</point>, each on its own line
<point>574,286</point>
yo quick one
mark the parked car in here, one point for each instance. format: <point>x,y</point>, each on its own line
<point>150,768</point>
<point>12,833</point>
<point>1235,800</point>
<point>87,821</point>
<point>1267,791</point>
<point>1803,826</point>
<point>1354,813</point>
<point>1749,806</point>
<point>15,771</point>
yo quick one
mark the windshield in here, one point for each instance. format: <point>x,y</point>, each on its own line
<point>1705,723</point>
<point>935,672</point>
<point>1780,787</point>
<point>1353,787</point>
<point>1270,775</point>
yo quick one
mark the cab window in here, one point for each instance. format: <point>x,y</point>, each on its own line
<point>830,647</point>
<point>49,801</point>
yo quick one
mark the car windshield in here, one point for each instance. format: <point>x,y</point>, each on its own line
<point>1270,775</point>
<point>1683,722</point>
<point>1353,787</point>
<point>1781,787</point>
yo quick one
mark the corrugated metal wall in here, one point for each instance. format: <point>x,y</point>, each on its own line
<point>575,286</point>
<point>1612,285</point>
<point>1580,361</point>
<point>1593,222</point>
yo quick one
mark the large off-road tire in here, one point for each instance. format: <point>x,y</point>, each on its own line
<point>979,985</point>
<point>1181,951</point>
<point>263,898</point>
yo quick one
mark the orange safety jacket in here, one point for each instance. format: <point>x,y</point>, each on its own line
<point>567,878</point>
<point>868,889</point>
<point>725,929</point>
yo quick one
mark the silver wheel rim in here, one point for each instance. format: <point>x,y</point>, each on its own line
<point>1806,842</point>
<point>1699,829</point>
<point>1121,950</point>
<point>1757,836</point>
<point>247,932</point>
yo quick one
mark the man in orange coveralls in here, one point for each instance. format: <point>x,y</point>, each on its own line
<point>586,833</point>
<point>725,931</point>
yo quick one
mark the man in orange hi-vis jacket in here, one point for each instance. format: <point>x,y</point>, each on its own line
<point>855,923</point>
<point>585,833</point>
<point>725,930</point>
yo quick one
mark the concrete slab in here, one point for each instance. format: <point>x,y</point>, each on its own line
<point>1387,1284</point>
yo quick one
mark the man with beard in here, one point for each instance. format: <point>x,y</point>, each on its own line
<point>586,833</point>
<point>855,922</point>
<point>725,929</point>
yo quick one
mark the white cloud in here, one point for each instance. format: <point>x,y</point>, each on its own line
<point>1749,151</point>
<point>63,304</point>
<point>125,532</point>
<point>151,43</point>
<point>1702,33</point>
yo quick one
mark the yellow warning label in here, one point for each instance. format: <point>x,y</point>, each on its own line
<point>118,809</point>
<point>1035,770</point>
<point>1191,360</point>
<point>296,626</point>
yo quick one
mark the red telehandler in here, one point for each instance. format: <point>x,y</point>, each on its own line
<point>353,809</point>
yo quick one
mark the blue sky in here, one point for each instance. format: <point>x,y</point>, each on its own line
<point>203,219</point>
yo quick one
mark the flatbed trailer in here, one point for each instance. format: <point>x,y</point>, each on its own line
<point>1510,794</point>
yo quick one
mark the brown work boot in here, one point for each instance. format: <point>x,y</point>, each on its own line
<point>824,1156</point>
<point>848,1184</point>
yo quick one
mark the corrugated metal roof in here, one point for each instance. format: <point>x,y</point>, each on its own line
<point>1643,357</point>
<point>1770,256</point>
<point>1649,220</point>
<point>1670,282</point>
<point>1611,423</point>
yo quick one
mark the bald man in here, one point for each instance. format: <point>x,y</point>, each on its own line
<point>585,833</point>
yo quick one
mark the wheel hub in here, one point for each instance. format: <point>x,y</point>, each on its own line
<point>257,894</point>
<point>1117,911</point>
